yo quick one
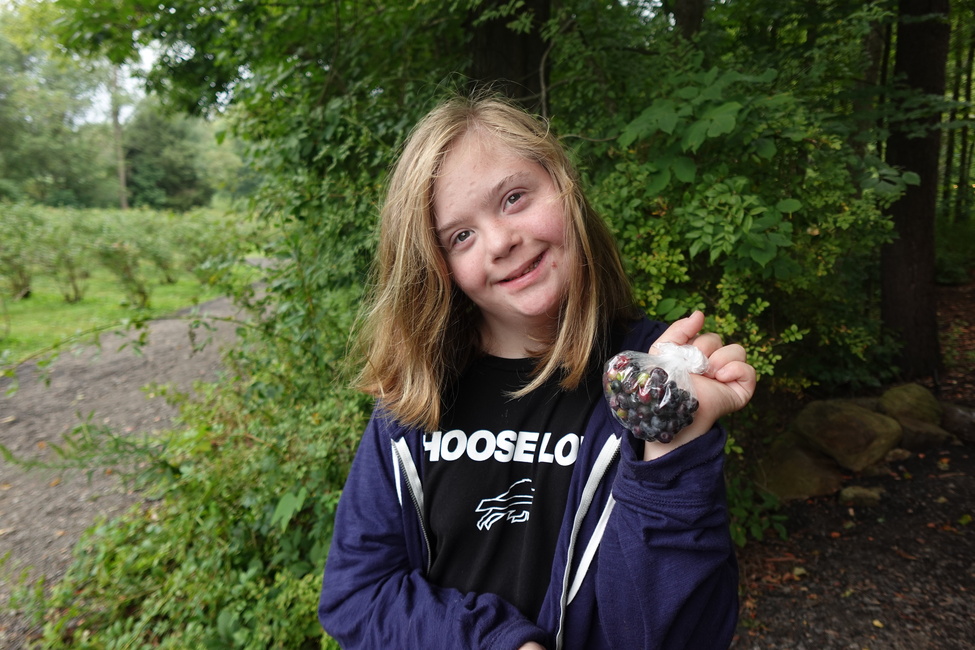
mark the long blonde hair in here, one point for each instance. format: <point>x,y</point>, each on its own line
<point>419,331</point>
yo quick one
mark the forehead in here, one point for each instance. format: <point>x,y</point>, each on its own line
<point>480,162</point>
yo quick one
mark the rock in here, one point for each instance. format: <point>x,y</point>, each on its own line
<point>792,472</point>
<point>911,401</point>
<point>861,496</point>
<point>960,422</point>
<point>852,435</point>
<point>922,436</point>
<point>897,455</point>
<point>877,469</point>
<point>869,403</point>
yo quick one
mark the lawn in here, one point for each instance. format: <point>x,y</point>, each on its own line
<point>44,319</point>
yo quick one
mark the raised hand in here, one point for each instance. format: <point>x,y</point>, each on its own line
<point>726,386</point>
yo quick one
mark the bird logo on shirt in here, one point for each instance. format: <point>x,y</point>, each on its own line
<point>514,504</point>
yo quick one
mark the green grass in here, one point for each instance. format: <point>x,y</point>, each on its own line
<point>43,320</point>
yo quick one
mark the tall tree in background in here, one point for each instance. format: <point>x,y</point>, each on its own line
<point>908,305</point>
<point>510,53</point>
<point>116,107</point>
<point>688,15</point>
<point>163,153</point>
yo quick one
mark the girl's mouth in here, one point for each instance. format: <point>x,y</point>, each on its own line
<point>531,267</point>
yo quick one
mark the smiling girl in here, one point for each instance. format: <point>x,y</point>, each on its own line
<point>494,502</point>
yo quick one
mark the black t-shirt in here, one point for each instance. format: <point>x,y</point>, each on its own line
<point>496,476</point>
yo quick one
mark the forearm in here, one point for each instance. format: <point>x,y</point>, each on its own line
<point>667,566</point>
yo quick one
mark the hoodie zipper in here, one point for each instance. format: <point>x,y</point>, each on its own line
<point>607,455</point>
<point>412,480</point>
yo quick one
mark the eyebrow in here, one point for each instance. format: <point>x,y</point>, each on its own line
<point>489,195</point>
<point>507,180</point>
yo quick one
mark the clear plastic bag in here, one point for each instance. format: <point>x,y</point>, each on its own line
<point>651,394</point>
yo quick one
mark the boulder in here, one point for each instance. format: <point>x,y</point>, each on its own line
<point>790,471</point>
<point>861,496</point>
<point>911,401</point>
<point>922,436</point>
<point>960,422</point>
<point>852,435</point>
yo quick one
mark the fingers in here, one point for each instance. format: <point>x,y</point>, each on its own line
<point>708,343</point>
<point>735,373</point>
<point>682,331</point>
<point>722,356</point>
<point>726,363</point>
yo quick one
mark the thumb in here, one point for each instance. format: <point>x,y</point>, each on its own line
<point>682,331</point>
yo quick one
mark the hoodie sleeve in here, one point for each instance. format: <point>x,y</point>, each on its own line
<point>667,576</point>
<point>374,593</point>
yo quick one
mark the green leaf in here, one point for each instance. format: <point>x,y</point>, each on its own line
<point>765,148</point>
<point>788,205</point>
<point>674,313</point>
<point>695,135</point>
<point>721,125</point>
<point>287,506</point>
<point>659,182</point>
<point>763,255</point>
<point>684,169</point>
<point>666,305</point>
<point>723,118</point>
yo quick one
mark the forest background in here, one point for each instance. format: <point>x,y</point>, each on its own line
<point>801,170</point>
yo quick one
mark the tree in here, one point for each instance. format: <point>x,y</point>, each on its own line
<point>509,50</point>
<point>50,153</point>
<point>688,15</point>
<point>164,156</point>
<point>118,147</point>
<point>907,302</point>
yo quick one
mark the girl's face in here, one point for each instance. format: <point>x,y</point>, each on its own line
<point>500,222</point>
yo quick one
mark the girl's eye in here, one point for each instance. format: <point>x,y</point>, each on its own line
<point>513,198</point>
<point>462,236</point>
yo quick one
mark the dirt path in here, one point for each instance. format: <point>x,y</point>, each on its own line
<point>44,512</point>
<point>899,575</point>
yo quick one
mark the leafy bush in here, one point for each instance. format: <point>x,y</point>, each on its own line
<point>118,248</point>
<point>20,224</point>
<point>66,251</point>
<point>228,552</point>
<point>955,252</point>
<point>134,245</point>
<point>727,194</point>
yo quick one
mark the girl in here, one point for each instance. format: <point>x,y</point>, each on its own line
<point>494,502</point>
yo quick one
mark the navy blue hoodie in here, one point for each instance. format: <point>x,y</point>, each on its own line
<point>644,557</point>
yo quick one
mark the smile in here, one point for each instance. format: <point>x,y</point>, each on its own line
<point>531,267</point>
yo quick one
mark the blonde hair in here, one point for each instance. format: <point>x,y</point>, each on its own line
<point>419,331</point>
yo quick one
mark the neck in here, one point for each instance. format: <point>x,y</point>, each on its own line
<point>511,343</point>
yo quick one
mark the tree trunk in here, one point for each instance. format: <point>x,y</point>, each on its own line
<point>950,148</point>
<point>123,191</point>
<point>508,60</point>
<point>688,16</point>
<point>963,193</point>
<point>908,305</point>
<point>884,80</point>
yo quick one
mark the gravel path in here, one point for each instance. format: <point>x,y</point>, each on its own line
<point>43,512</point>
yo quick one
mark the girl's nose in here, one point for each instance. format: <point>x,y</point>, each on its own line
<point>501,240</point>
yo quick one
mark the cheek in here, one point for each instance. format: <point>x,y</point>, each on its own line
<point>463,276</point>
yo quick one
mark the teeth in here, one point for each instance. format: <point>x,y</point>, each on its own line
<point>531,268</point>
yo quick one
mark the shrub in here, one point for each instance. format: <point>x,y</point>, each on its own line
<point>731,196</point>
<point>65,250</point>
<point>229,551</point>
<point>20,224</point>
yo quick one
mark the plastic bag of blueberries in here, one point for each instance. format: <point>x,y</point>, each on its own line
<point>651,394</point>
